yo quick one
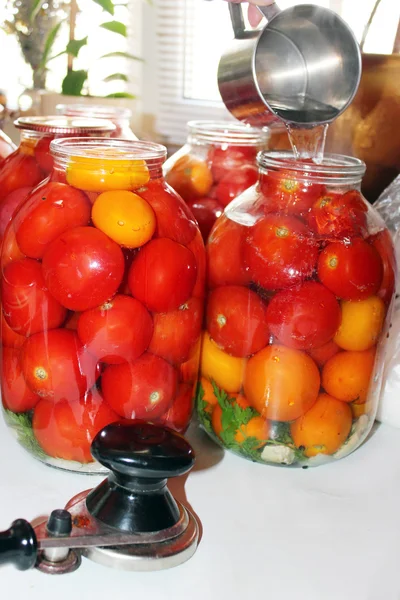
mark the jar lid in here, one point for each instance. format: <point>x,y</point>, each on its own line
<point>108,149</point>
<point>64,125</point>
<point>97,110</point>
<point>227,132</point>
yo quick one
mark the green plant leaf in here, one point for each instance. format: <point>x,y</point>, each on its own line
<point>74,46</point>
<point>35,8</point>
<point>73,83</point>
<point>49,44</point>
<point>115,27</point>
<point>116,77</point>
<point>106,5</point>
<point>121,95</point>
<point>22,424</point>
<point>118,54</point>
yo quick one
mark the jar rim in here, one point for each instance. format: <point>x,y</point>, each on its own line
<point>62,124</point>
<point>227,132</point>
<point>97,110</point>
<point>127,150</point>
<point>332,165</point>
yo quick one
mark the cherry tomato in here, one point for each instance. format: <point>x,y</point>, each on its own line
<point>176,332</point>
<point>143,389</point>
<point>18,170</point>
<point>9,337</point>
<point>206,212</point>
<point>229,158</point>
<point>9,205</point>
<point>162,275</point>
<point>283,192</point>
<point>83,268</point>
<point>27,304</point>
<point>50,211</point>
<point>304,317</point>
<point>225,254</point>
<point>351,271</point>
<point>279,252</point>
<point>51,365</point>
<point>190,177</point>
<point>383,243</point>
<point>65,429</point>
<point>119,330</point>
<point>15,393</point>
<point>236,182</point>
<point>178,416</point>
<point>174,220</point>
<point>42,154</point>
<point>339,215</point>
<point>236,320</point>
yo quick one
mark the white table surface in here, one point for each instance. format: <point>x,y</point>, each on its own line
<point>327,533</point>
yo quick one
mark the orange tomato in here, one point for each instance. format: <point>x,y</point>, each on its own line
<point>361,409</point>
<point>281,383</point>
<point>125,217</point>
<point>209,395</point>
<point>362,322</point>
<point>257,427</point>
<point>190,177</point>
<point>323,428</point>
<point>347,375</point>
<point>110,170</point>
<point>227,371</point>
<point>216,420</point>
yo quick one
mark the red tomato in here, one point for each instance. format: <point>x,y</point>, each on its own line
<point>235,182</point>
<point>27,304</point>
<point>83,268</point>
<point>51,364</point>
<point>9,337</point>
<point>50,210</point>
<point>197,247</point>
<point>118,331</point>
<point>162,275</point>
<point>304,317</point>
<point>174,220</point>
<point>225,160</point>
<point>351,271</point>
<point>42,154</point>
<point>322,354</point>
<point>15,393</point>
<point>143,389</point>
<point>178,416</point>
<point>383,243</point>
<point>206,212</point>
<point>279,252</point>
<point>66,429</point>
<point>176,332</point>
<point>225,254</point>
<point>19,170</point>
<point>236,320</point>
<point>283,192</point>
<point>339,215</point>
<point>10,251</point>
<point>9,205</point>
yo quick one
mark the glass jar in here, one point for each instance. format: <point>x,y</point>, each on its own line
<point>7,147</point>
<point>216,164</point>
<point>301,275</point>
<point>121,117</point>
<point>103,271</point>
<point>31,162</point>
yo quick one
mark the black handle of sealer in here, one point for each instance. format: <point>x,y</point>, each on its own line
<point>18,545</point>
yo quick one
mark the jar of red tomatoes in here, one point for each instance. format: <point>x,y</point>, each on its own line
<point>120,116</point>
<point>103,271</point>
<point>301,275</point>
<point>216,164</point>
<point>7,146</point>
<point>31,162</point>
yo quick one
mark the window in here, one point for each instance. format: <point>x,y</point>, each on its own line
<point>190,35</point>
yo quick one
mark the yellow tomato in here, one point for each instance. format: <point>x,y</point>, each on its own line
<point>362,322</point>
<point>110,171</point>
<point>227,371</point>
<point>125,217</point>
<point>361,409</point>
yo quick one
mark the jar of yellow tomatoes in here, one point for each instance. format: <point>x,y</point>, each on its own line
<point>216,164</point>
<point>102,278</point>
<point>120,116</point>
<point>301,275</point>
<point>31,162</point>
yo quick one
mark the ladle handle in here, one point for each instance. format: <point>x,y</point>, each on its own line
<point>237,19</point>
<point>18,545</point>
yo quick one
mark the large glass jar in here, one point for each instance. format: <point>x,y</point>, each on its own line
<point>103,270</point>
<point>301,275</point>
<point>7,147</point>
<point>31,162</point>
<point>120,116</point>
<point>216,164</point>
